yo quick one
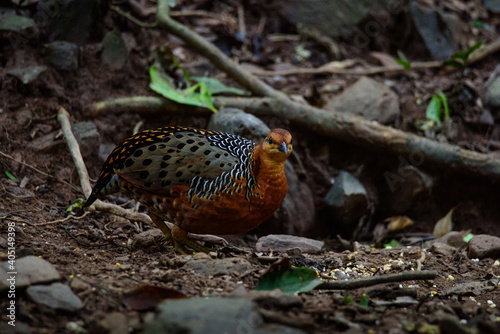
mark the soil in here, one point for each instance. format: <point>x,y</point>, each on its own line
<point>101,253</point>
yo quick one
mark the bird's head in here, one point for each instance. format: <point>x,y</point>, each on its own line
<point>277,146</point>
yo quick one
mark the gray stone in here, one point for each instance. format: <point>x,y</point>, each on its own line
<point>493,5</point>
<point>87,136</point>
<point>369,99</point>
<point>492,95</point>
<point>219,266</point>
<point>62,55</point>
<point>115,323</point>
<point>296,214</point>
<point>283,242</point>
<point>57,296</point>
<point>483,245</point>
<point>233,120</point>
<point>438,30</point>
<point>331,18</point>
<point>212,315</point>
<point>30,270</point>
<point>27,74</point>
<point>115,52</point>
<point>10,21</point>
<point>347,199</point>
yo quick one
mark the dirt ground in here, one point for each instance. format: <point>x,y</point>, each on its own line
<point>100,258</point>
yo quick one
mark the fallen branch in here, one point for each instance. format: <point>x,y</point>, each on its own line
<point>369,281</point>
<point>345,127</point>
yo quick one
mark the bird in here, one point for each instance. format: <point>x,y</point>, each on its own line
<point>202,181</point>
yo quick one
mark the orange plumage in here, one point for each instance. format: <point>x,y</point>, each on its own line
<point>202,181</point>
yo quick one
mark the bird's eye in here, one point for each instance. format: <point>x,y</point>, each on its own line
<point>270,140</point>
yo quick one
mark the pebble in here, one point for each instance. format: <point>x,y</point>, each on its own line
<point>212,315</point>
<point>213,267</point>
<point>284,242</point>
<point>30,270</point>
<point>57,296</point>
<point>483,245</point>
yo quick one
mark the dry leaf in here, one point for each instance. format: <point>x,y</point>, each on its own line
<point>444,225</point>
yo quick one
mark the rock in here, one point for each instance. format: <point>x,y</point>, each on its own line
<point>233,120</point>
<point>282,243</point>
<point>332,18</point>
<point>212,315</point>
<point>30,270</point>
<point>439,31</point>
<point>493,5</point>
<point>409,184</point>
<point>23,116</point>
<point>483,245</point>
<point>148,238</point>
<point>115,52</point>
<point>72,20</point>
<point>296,214</point>
<point>492,96</point>
<point>57,296</point>
<point>87,136</point>
<point>454,238</point>
<point>115,323</point>
<point>27,74</point>
<point>20,328</point>
<point>62,55</point>
<point>369,99</point>
<point>347,199</point>
<point>442,248</point>
<point>10,21</point>
<point>219,266</point>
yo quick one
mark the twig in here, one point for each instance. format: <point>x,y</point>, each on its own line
<point>5,155</point>
<point>133,19</point>
<point>369,281</point>
<point>63,118</point>
<point>62,220</point>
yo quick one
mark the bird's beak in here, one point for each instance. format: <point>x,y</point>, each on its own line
<point>283,148</point>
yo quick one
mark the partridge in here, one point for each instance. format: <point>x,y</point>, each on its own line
<point>202,181</point>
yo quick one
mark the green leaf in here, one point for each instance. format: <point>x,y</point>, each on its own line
<point>434,109</point>
<point>478,24</point>
<point>215,86</point>
<point>444,102</point>
<point>161,84</point>
<point>290,280</point>
<point>392,244</point>
<point>465,54</point>
<point>78,204</point>
<point>10,176</point>
<point>348,299</point>
<point>468,237</point>
<point>403,63</point>
<point>453,63</point>
<point>364,300</point>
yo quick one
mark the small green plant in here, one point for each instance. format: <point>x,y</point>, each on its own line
<point>437,112</point>
<point>77,205</point>
<point>459,59</point>
<point>10,176</point>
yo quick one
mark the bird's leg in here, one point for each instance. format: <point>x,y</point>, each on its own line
<point>178,235</point>
<point>162,226</point>
<point>180,240</point>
